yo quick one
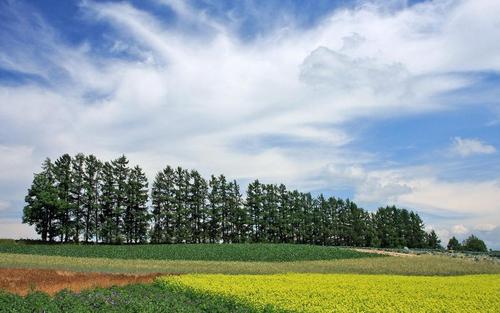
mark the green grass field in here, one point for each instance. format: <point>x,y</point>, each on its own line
<point>193,252</point>
<point>419,265</point>
<point>393,279</point>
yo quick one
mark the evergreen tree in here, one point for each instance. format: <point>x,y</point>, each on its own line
<point>454,244</point>
<point>417,234</point>
<point>215,210</point>
<point>472,243</point>
<point>182,227</point>
<point>108,203</point>
<point>163,201</point>
<point>284,215</point>
<point>198,193</point>
<point>254,207</point>
<point>433,241</point>
<point>137,216</point>
<point>42,204</point>
<point>77,194</point>
<point>62,174</point>
<point>120,209</point>
<point>92,209</point>
<point>237,214</point>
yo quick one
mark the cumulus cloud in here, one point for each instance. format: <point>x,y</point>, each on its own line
<point>465,147</point>
<point>274,107</point>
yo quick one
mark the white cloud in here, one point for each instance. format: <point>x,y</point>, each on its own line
<point>459,229</point>
<point>196,98</point>
<point>466,147</point>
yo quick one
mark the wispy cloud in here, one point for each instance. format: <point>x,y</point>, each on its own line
<point>196,93</point>
<point>465,147</point>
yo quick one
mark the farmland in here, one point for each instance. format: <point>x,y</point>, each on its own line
<point>198,252</point>
<point>239,278</point>
<point>352,293</point>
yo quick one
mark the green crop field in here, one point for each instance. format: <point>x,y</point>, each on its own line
<point>157,297</point>
<point>200,252</point>
<point>257,278</point>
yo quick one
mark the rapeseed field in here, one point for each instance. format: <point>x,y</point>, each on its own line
<point>352,292</point>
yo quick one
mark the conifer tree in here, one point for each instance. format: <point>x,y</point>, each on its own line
<point>42,203</point>
<point>62,174</point>
<point>254,207</point>
<point>120,174</point>
<point>108,203</point>
<point>198,193</point>
<point>163,201</point>
<point>92,208</point>
<point>76,190</point>
<point>137,217</point>
<point>214,212</point>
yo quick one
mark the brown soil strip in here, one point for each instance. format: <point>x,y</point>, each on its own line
<point>376,251</point>
<point>22,281</point>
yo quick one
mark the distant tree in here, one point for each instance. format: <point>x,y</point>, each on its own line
<point>433,241</point>
<point>254,207</point>
<point>62,174</point>
<point>416,236</point>
<point>198,193</point>
<point>77,195</point>
<point>42,203</point>
<point>91,206</point>
<point>473,243</point>
<point>121,173</point>
<point>137,217</point>
<point>182,229</point>
<point>215,210</point>
<point>108,203</point>
<point>454,244</point>
<point>163,202</point>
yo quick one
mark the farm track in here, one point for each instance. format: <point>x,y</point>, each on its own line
<point>22,281</point>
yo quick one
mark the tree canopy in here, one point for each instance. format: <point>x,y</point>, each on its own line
<point>81,198</point>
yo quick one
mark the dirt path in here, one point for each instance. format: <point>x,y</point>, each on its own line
<point>22,281</point>
<point>376,251</point>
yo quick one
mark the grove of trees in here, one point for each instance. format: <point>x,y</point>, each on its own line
<point>82,199</point>
<point>471,243</point>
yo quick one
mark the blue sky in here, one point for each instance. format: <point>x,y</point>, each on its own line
<point>384,102</point>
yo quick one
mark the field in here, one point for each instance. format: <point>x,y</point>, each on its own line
<point>200,252</point>
<point>240,278</point>
<point>352,293</point>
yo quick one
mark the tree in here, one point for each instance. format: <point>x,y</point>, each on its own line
<point>238,217</point>
<point>433,241</point>
<point>198,192</point>
<point>137,217</point>
<point>163,201</point>
<point>120,172</point>
<point>62,174</point>
<point>182,230</point>
<point>215,210</point>
<point>107,203</point>
<point>253,205</point>
<point>453,244</point>
<point>472,243</point>
<point>76,190</point>
<point>42,203</point>
<point>91,208</point>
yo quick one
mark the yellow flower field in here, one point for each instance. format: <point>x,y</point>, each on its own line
<point>352,292</point>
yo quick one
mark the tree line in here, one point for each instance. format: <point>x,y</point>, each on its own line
<point>82,199</point>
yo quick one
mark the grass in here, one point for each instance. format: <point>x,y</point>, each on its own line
<point>418,265</point>
<point>318,293</point>
<point>192,252</point>
<point>132,298</point>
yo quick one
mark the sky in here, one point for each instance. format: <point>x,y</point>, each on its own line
<point>383,102</point>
